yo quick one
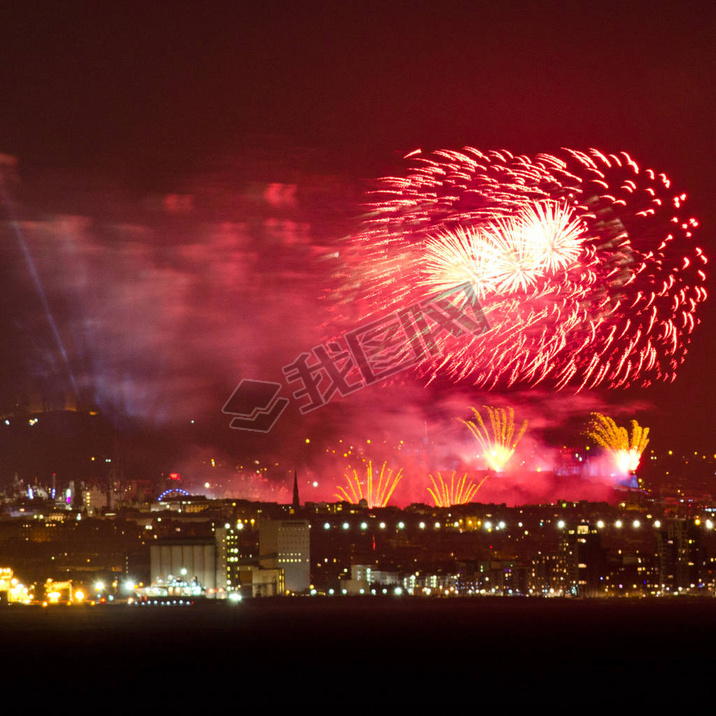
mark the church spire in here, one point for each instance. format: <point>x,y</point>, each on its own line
<point>296,502</point>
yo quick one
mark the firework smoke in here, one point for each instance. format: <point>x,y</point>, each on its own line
<point>165,305</point>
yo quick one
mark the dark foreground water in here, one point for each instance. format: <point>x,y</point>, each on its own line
<point>335,648</point>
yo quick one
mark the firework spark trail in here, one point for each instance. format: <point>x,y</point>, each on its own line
<point>498,443</point>
<point>459,493</point>
<point>376,494</point>
<point>584,264</point>
<point>625,446</point>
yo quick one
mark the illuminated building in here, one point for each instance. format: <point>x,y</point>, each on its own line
<point>227,558</point>
<point>545,575</point>
<point>10,588</point>
<point>191,560</point>
<point>286,544</point>
<point>680,556</point>
<point>94,499</point>
<point>366,578</point>
<point>266,582</point>
<point>427,583</point>
<point>235,556</point>
<point>582,562</point>
<point>237,567</point>
<point>58,592</point>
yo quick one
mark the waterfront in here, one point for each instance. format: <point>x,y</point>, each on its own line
<point>336,645</point>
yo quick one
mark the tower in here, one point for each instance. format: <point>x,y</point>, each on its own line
<point>286,544</point>
<point>296,504</point>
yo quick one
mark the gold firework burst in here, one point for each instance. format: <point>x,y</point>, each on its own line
<point>500,440</point>
<point>625,445</point>
<point>458,492</point>
<point>375,490</point>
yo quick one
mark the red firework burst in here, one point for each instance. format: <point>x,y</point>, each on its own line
<point>584,264</point>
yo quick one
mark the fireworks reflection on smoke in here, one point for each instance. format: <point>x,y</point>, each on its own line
<point>626,446</point>
<point>585,264</point>
<point>498,442</point>
<point>375,490</point>
<point>454,493</point>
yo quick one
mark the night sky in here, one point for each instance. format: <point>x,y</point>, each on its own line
<point>150,95</point>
